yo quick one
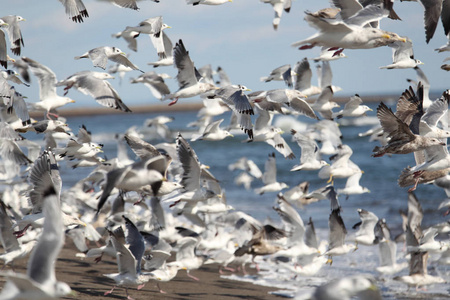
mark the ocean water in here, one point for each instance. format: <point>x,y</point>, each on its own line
<point>380,176</point>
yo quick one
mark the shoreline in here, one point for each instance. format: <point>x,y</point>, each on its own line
<point>164,108</point>
<point>85,277</point>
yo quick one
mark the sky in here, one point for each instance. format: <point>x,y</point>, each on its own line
<point>237,36</point>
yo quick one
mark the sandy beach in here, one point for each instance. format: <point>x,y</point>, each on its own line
<point>86,278</point>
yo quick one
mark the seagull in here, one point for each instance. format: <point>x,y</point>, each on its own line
<point>294,225</point>
<point>387,251</point>
<point>336,241</point>
<point>3,51</point>
<point>418,274</point>
<point>189,84</point>
<point>95,85</point>
<point>294,99</point>
<point>47,88</point>
<point>159,269</point>
<point>366,233</point>
<point>433,9</point>
<point>347,288</point>
<point>402,140</point>
<point>349,34</point>
<point>128,259</point>
<point>14,33</point>
<point>270,177</point>
<point>278,7</point>
<point>135,176</point>
<point>352,186</point>
<point>186,257</point>
<point>327,54</point>
<point>310,157</point>
<point>323,104</point>
<point>341,166</point>
<point>233,96</point>
<point>75,9</point>
<point>13,250</point>
<point>337,230</point>
<point>166,57</point>
<point>302,75</point>
<point>153,26</point>
<point>155,83</point>
<point>100,56</point>
<point>352,108</point>
<point>192,172</point>
<point>213,132</point>
<point>281,73</point>
<point>40,281</point>
<point>207,2</point>
<point>402,55</point>
<point>129,36</point>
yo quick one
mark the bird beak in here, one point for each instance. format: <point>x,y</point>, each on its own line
<point>72,101</point>
<point>248,90</point>
<point>387,36</point>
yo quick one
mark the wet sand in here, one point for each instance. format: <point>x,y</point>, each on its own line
<point>86,278</point>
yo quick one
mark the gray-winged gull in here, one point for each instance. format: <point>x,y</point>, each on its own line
<point>14,33</point>
<point>75,9</point>
<point>349,34</point>
<point>100,56</point>
<point>269,178</point>
<point>310,158</point>
<point>402,55</point>
<point>47,88</point>
<point>95,85</point>
<point>128,259</point>
<point>40,281</point>
<point>188,82</point>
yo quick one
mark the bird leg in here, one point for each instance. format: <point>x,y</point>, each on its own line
<point>21,233</point>
<point>173,102</point>
<point>109,292</point>
<point>67,88</point>
<point>192,276</point>
<point>175,203</point>
<point>160,290</point>
<point>418,173</point>
<point>230,269</point>
<point>141,198</point>
<point>99,258</point>
<point>338,52</point>
<point>329,261</point>
<point>415,185</point>
<point>141,286</point>
<point>51,114</point>
<point>128,296</point>
<point>304,47</point>
<point>331,179</point>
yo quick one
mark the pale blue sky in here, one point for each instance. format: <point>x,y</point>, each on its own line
<point>237,36</point>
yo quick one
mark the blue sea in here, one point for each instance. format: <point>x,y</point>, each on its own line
<point>380,176</point>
